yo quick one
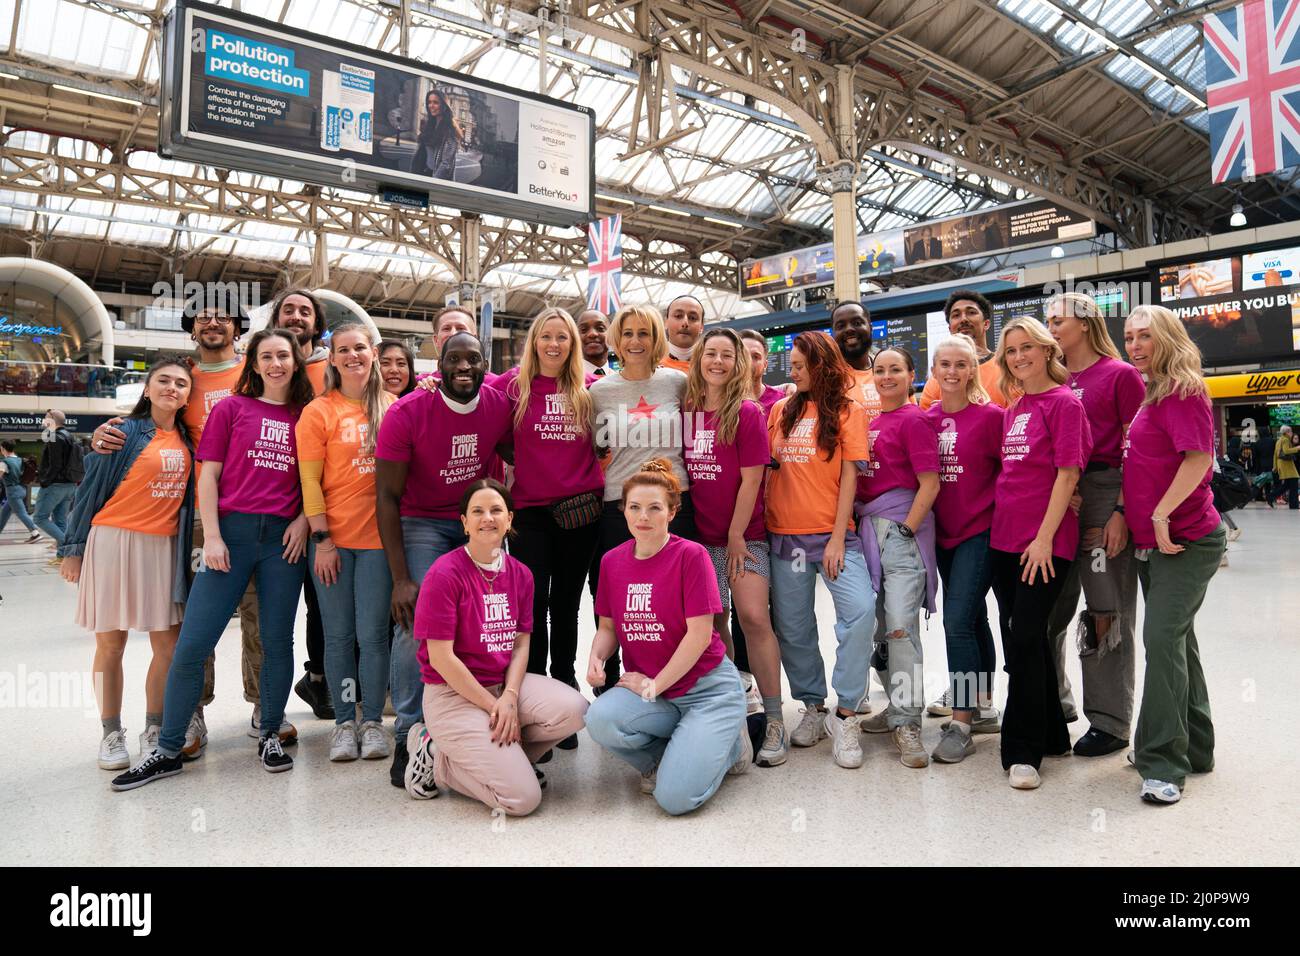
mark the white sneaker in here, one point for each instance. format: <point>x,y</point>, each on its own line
<point>746,752</point>
<point>343,742</point>
<point>112,751</point>
<point>1160,792</point>
<point>648,780</point>
<point>941,707</point>
<point>196,737</point>
<point>1223,561</point>
<point>843,732</point>
<point>1023,777</point>
<point>753,699</point>
<point>288,732</point>
<point>912,753</point>
<point>775,747</point>
<point>149,740</point>
<point>419,763</point>
<point>1234,534</point>
<point>374,742</point>
<point>811,729</point>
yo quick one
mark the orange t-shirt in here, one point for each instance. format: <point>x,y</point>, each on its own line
<point>209,388</point>
<point>148,500</point>
<point>802,493</point>
<point>990,372</point>
<point>316,375</point>
<point>863,391</point>
<point>678,364</point>
<point>332,430</point>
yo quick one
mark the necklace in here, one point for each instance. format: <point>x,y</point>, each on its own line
<point>489,581</point>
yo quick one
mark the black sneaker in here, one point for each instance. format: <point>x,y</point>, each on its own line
<point>541,777</point>
<point>272,755</point>
<point>316,694</point>
<point>153,767</point>
<point>1098,743</point>
<point>546,757</point>
<point>569,743</point>
<point>397,772</point>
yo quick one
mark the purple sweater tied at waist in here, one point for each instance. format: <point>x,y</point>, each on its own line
<point>894,505</point>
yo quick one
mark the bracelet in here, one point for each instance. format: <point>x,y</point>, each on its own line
<point>510,690</point>
<point>1158,520</point>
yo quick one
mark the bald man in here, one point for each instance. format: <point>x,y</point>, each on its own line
<point>684,324</point>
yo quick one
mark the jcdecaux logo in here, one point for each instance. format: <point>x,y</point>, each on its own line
<point>258,64</point>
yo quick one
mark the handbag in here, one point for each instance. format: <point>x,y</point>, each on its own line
<point>577,511</point>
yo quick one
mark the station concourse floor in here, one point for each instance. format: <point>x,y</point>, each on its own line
<point>57,808</point>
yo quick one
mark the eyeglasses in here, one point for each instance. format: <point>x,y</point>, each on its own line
<point>214,320</point>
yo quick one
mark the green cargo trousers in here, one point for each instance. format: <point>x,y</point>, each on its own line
<point>1175,735</point>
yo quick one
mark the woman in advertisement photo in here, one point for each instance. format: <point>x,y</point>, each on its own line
<point>441,138</point>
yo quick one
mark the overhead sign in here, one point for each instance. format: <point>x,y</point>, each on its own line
<point>1271,385</point>
<point>251,94</point>
<point>984,233</point>
<point>32,422</point>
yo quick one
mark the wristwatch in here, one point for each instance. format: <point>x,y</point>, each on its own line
<point>905,531</point>
<point>1119,509</point>
<point>319,536</point>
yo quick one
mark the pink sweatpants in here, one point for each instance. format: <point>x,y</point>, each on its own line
<point>467,761</point>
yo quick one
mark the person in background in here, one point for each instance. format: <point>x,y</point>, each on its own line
<point>440,138</point>
<point>683,324</point>
<point>396,367</point>
<point>592,329</point>
<point>1111,391</point>
<point>433,444</point>
<point>127,548</point>
<point>636,416</point>
<point>766,395</point>
<point>61,470</point>
<point>336,461</point>
<point>1170,511</point>
<point>16,491</point>
<point>851,327</point>
<point>969,427</point>
<point>1045,444</point>
<point>818,438</point>
<point>557,490</point>
<point>969,313</point>
<point>678,714</point>
<point>726,452</point>
<point>486,719</point>
<point>1285,455</point>
<point>250,497</point>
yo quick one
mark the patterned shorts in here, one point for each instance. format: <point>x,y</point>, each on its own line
<point>758,562</point>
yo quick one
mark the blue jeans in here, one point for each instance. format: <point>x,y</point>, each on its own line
<point>354,612</point>
<point>16,502</point>
<point>794,590</point>
<point>425,541</point>
<point>256,552</point>
<point>52,509</point>
<point>898,611</point>
<point>967,573</point>
<point>693,739</point>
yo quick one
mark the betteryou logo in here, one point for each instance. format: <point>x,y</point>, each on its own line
<point>550,193</point>
<point>77,909</point>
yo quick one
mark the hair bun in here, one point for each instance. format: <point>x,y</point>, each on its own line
<point>661,466</point>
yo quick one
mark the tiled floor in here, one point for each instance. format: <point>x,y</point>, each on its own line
<point>56,807</point>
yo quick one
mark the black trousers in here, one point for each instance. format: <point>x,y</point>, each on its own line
<point>315,663</point>
<point>613,532</point>
<point>559,559</point>
<point>1033,724</point>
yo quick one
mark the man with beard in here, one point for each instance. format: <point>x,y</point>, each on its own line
<point>592,327</point>
<point>851,329</point>
<point>969,313</point>
<point>432,445</point>
<point>683,324</point>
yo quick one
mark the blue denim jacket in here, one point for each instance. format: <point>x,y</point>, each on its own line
<point>103,474</point>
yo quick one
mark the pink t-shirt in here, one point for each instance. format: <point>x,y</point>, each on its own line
<point>1157,439</point>
<point>456,604</point>
<point>258,450</point>
<point>769,398</point>
<point>970,457</point>
<point>1040,433</point>
<point>447,449</point>
<point>903,445</point>
<point>552,459</point>
<point>650,599</point>
<point>1111,392</point>
<point>715,471</point>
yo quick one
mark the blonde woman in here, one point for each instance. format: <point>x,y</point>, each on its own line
<point>1179,537</point>
<point>1045,445</point>
<point>635,417</point>
<point>726,454</point>
<point>1111,391</point>
<point>558,487</point>
<point>336,462</point>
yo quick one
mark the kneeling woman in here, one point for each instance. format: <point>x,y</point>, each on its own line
<point>485,720</point>
<point>678,713</point>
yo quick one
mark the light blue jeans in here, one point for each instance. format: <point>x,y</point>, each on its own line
<point>898,612</point>
<point>794,590</point>
<point>693,739</point>
<point>52,509</point>
<point>425,541</point>
<point>354,613</point>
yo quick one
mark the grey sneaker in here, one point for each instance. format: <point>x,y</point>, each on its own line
<point>775,747</point>
<point>149,740</point>
<point>877,723</point>
<point>746,752</point>
<point>374,742</point>
<point>1160,792</point>
<point>343,742</point>
<point>112,751</point>
<point>912,753</point>
<point>648,780</point>
<point>988,721</point>
<point>845,748</point>
<point>811,729</point>
<point>955,745</point>
<point>941,707</point>
<point>196,737</point>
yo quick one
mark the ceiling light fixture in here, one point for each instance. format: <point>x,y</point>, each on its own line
<point>1238,217</point>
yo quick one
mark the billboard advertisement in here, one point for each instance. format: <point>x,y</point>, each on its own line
<point>250,94</point>
<point>987,232</point>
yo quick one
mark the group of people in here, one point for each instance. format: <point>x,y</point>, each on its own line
<point>445,530</point>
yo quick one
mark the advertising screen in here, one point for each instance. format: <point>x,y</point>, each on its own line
<point>252,95</point>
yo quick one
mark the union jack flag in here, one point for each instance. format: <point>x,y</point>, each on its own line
<point>1252,88</point>
<point>605,264</point>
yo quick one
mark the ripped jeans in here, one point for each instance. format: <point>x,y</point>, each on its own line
<point>898,612</point>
